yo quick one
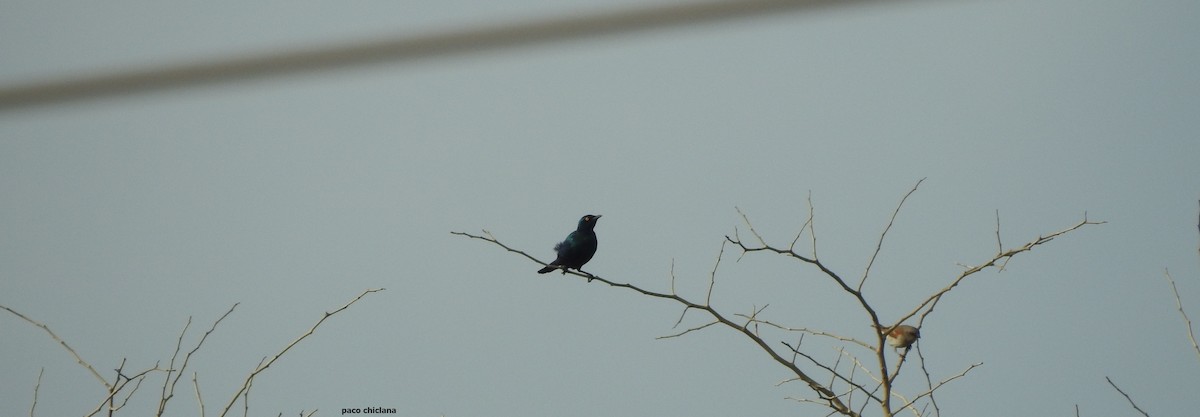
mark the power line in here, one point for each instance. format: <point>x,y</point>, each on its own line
<point>394,50</point>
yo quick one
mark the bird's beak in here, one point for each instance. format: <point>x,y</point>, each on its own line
<point>598,217</point>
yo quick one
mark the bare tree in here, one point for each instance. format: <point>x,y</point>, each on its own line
<point>124,384</point>
<point>839,383</point>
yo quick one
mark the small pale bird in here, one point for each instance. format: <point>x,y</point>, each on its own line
<point>902,336</point>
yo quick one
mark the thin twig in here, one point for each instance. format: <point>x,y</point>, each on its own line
<point>712,277</point>
<point>493,240</point>
<point>932,301</point>
<point>64,344</point>
<point>1187,321</point>
<point>169,392</point>
<point>879,243</point>
<point>1135,406</point>
<point>835,374</point>
<point>937,411</point>
<point>263,366</point>
<point>812,225</point>
<point>673,276</point>
<point>199,399</point>
<point>999,244</point>
<point>809,331</point>
<point>164,396</point>
<point>246,395</point>
<point>121,382</point>
<point>36,387</point>
<point>129,395</point>
<point>931,390</point>
<point>688,331</point>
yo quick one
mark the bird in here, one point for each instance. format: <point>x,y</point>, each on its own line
<point>902,336</point>
<point>577,249</point>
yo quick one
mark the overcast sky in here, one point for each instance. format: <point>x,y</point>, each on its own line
<point>122,216</point>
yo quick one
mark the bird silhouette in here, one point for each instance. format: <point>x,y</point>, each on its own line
<point>577,249</point>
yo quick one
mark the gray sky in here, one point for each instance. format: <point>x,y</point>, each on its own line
<point>123,216</point>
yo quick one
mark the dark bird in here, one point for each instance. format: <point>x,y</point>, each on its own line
<point>577,249</point>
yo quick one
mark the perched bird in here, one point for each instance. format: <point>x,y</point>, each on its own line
<point>902,336</point>
<point>577,249</point>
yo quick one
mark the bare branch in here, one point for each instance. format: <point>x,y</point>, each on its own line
<point>64,344</point>
<point>246,395</point>
<point>932,300</point>
<point>712,277</point>
<point>687,331</point>
<point>1135,406</point>
<point>907,404</point>
<point>824,392</point>
<point>129,395</point>
<point>812,225</point>
<point>36,387</point>
<point>493,240</point>
<point>199,399</point>
<point>167,385</point>
<point>1187,321</point>
<point>807,224</point>
<point>796,350</point>
<point>122,381</point>
<point>169,391</point>
<point>751,227</point>
<point>937,411</point>
<point>930,391</point>
<point>673,281</point>
<point>999,244</point>
<point>807,330</point>
<point>879,244</point>
<point>263,366</point>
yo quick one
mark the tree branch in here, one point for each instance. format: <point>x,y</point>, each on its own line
<point>263,366</point>
<point>36,387</point>
<point>1187,321</point>
<point>932,300</point>
<point>879,244</point>
<point>168,392</point>
<point>199,399</point>
<point>821,390</point>
<point>64,344</point>
<point>1135,406</point>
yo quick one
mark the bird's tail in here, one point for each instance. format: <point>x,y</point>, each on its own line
<point>548,268</point>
